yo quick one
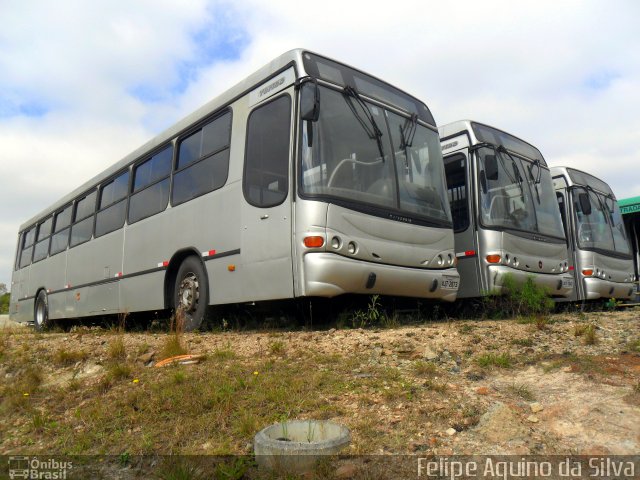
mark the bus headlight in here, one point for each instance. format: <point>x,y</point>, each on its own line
<point>450,259</point>
<point>352,248</point>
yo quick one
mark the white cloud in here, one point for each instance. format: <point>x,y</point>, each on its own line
<point>563,75</point>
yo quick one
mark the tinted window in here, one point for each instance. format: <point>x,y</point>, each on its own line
<point>59,241</point>
<point>211,138</point>
<point>114,190</point>
<point>29,237</point>
<point>85,206</point>
<point>154,169</point>
<point>41,250</point>
<point>27,247</point>
<point>63,219</point>
<point>203,160</point>
<point>149,201</point>
<point>205,176</point>
<point>265,181</point>
<point>111,218</point>
<point>81,231</point>
<point>25,256</point>
<point>456,174</point>
<point>44,230</point>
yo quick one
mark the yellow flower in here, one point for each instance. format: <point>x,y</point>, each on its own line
<point>135,380</point>
<point>25,394</point>
<point>255,373</point>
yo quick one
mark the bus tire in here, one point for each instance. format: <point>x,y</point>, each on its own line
<point>191,293</point>
<point>41,312</point>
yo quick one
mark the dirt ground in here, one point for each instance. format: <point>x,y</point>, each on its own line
<point>522,386</point>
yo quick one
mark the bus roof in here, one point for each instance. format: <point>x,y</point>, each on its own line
<point>579,177</point>
<point>292,57</point>
<point>515,144</point>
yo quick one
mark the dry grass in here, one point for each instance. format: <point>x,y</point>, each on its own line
<point>63,357</point>
<point>174,343</point>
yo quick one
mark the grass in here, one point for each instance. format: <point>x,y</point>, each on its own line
<point>277,348</point>
<point>174,344</point>
<point>502,360</point>
<point>63,357</point>
<point>117,350</point>
<point>423,368</point>
<point>634,345</point>
<point>521,390</point>
<point>523,342</point>
<point>590,335</point>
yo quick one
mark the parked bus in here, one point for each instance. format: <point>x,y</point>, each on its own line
<point>307,179</point>
<point>505,216</point>
<point>599,250</point>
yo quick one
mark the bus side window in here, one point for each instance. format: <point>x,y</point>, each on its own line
<point>42,240</point>
<point>266,168</point>
<point>203,161</point>
<point>82,228</point>
<point>151,186</point>
<point>563,214</point>
<point>112,206</point>
<point>456,175</point>
<point>60,237</point>
<point>27,247</point>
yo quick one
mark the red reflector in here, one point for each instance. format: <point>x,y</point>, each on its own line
<point>571,267</point>
<point>211,253</point>
<point>165,263</point>
<point>313,242</point>
<point>469,253</point>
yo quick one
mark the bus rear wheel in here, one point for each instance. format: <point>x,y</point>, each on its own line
<point>41,311</point>
<point>191,293</point>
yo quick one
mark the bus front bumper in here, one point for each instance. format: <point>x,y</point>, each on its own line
<point>598,288</point>
<point>329,275</point>
<point>558,285</point>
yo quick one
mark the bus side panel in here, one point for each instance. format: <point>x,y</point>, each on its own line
<point>50,274</point>
<point>25,304</point>
<point>209,222</point>
<point>95,261</point>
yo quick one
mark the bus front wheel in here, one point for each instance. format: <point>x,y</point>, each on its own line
<point>191,294</point>
<point>41,311</point>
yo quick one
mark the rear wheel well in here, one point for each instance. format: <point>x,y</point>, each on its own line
<point>172,273</point>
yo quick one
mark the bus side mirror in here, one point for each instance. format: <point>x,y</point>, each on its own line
<point>310,101</point>
<point>491,167</point>
<point>585,203</point>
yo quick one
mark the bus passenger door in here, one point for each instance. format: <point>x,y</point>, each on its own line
<point>266,210</point>
<point>458,173</point>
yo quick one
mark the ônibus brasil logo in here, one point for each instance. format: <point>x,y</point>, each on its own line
<point>35,468</point>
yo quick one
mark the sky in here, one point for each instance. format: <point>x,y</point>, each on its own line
<point>83,84</point>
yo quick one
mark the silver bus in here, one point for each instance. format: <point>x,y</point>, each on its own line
<point>505,216</point>
<point>307,179</point>
<point>600,256</point>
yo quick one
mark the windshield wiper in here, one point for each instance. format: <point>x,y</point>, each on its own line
<point>517,178</point>
<point>407,133</point>
<point>372,130</point>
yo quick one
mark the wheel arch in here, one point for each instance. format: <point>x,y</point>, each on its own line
<point>172,272</point>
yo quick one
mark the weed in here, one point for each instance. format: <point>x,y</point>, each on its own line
<point>371,316</point>
<point>612,304</point>
<point>521,390</point>
<point>634,345</point>
<point>63,357</point>
<point>223,354</point>
<point>465,328</point>
<point>423,368</point>
<point>277,347</point>
<point>173,344</point>
<point>118,371</point>
<point>522,342</point>
<point>541,322</point>
<point>524,299</point>
<point>579,329</point>
<point>502,360</point>
<point>143,348</point>
<point>435,386</point>
<point>179,376</point>
<point>116,349</point>
<point>590,335</point>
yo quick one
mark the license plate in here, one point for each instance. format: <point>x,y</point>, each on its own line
<point>449,283</point>
<point>567,283</point>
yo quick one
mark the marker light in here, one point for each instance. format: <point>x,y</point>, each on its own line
<point>587,272</point>
<point>315,241</point>
<point>494,258</point>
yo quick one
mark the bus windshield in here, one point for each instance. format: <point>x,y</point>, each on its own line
<point>603,227</point>
<point>516,193</point>
<point>346,163</point>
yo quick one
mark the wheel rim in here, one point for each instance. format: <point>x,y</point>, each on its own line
<point>40,313</point>
<point>189,293</point>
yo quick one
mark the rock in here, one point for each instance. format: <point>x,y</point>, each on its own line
<point>146,357</point>
<point>482,391</point>
<point>346,471</point>
<point>533,419</point>
<point>429,354</point>
<point>451,431</point>
<point>501,424</point>
<point>475,376</point>
<point>404,347</point>
<point>536,407</point>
